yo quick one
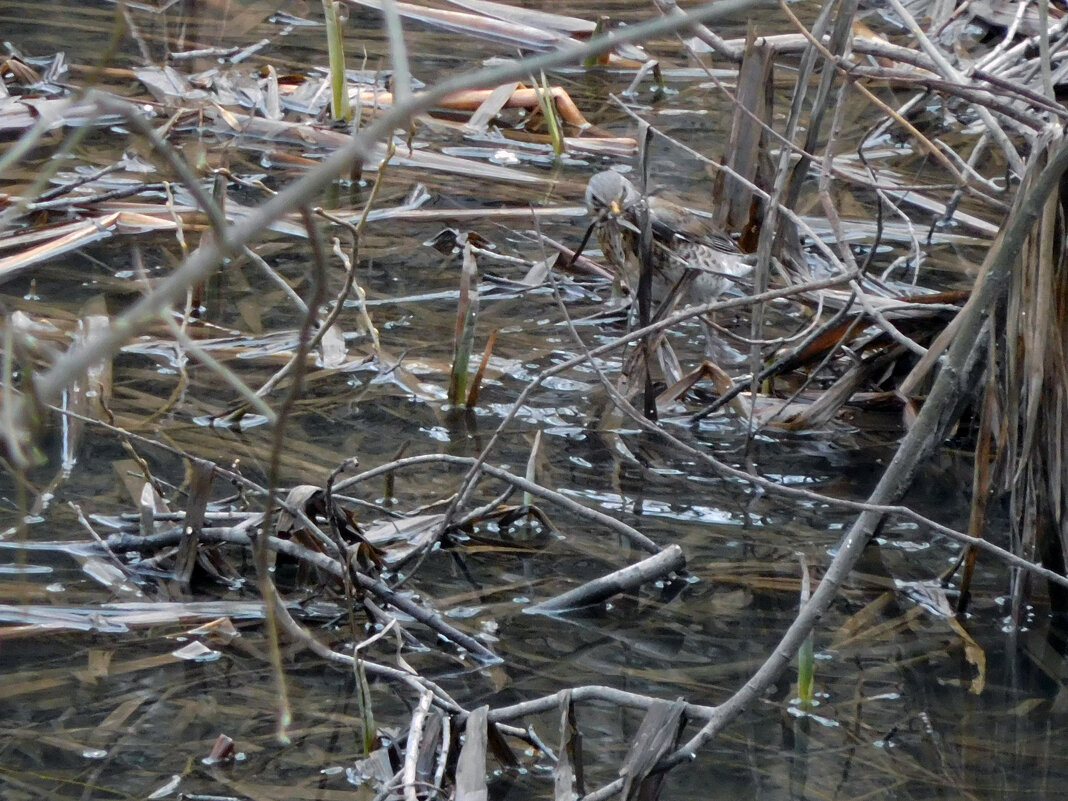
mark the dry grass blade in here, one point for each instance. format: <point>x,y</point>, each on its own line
<point>490,107</point>
<point>721,380</point>
<point>974,654</point>
<point>76,235</point>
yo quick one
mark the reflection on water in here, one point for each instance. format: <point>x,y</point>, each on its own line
<point>110,705</point>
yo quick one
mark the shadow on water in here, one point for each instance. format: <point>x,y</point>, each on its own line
<point>103,699</point>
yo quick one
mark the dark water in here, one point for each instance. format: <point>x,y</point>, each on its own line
<point>104,712</point>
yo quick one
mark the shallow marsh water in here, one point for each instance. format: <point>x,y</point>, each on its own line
<point>108,711</point>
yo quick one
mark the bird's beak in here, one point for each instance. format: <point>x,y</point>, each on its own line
<point>614,208</point>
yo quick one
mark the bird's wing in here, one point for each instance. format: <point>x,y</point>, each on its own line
<point>672,223</point>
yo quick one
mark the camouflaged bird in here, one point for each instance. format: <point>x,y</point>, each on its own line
<point>688,252</point>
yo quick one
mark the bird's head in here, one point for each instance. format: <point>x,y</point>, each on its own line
<point>609,192</point>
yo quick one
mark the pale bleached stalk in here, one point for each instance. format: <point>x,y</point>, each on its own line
<point>398,53</point>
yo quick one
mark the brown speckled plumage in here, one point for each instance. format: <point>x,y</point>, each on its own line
<point>687,250</point>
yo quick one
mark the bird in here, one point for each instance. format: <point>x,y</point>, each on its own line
<point>690,256</point>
